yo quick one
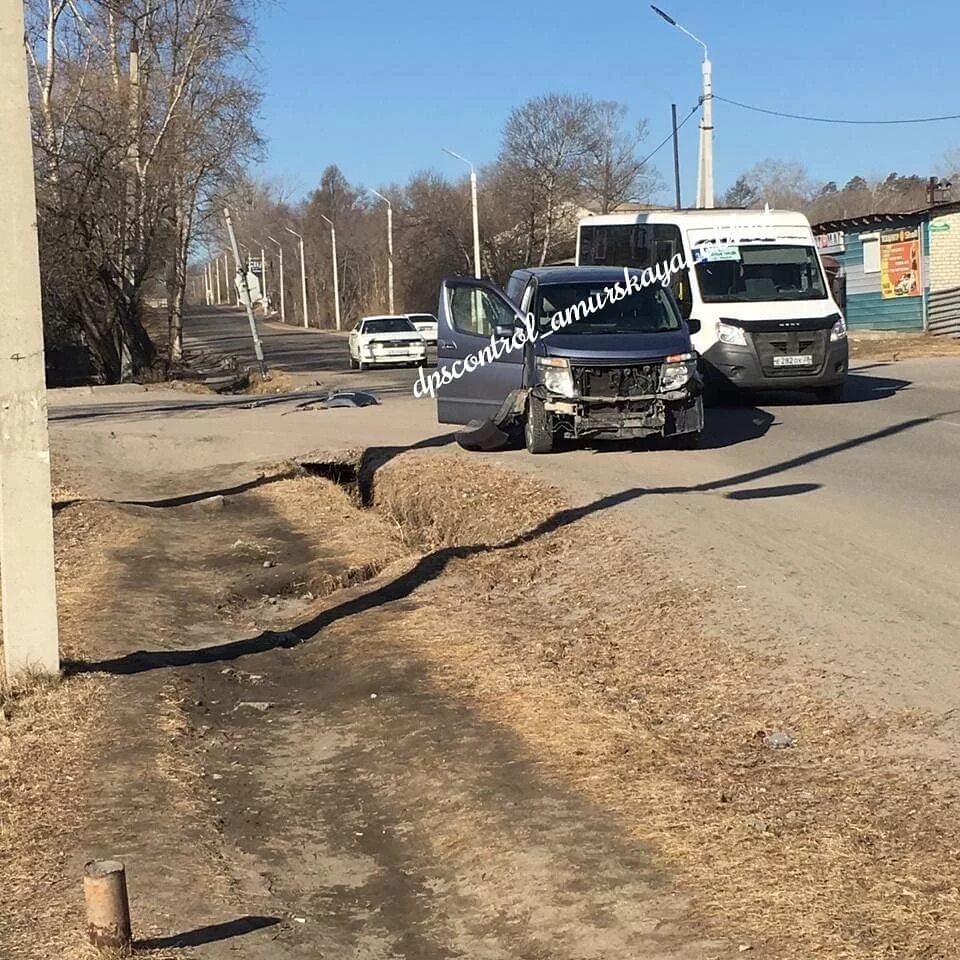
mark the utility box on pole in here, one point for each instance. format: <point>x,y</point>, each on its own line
<point>30,638</point>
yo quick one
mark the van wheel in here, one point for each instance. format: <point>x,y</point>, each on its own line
<point>830,394</point>
<point>538,429</point>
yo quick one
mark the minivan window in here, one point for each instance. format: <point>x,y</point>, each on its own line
<point>651,310</point>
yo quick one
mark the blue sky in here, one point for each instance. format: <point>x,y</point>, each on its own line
<point>380,88</point>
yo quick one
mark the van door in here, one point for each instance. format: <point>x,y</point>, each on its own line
<point>471,313</point>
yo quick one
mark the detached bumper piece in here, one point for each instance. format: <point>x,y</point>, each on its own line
<point>493,434</point>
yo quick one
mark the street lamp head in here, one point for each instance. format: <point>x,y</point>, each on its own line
<point>381,196</point>
<point>322,217</point>
<point>457,155</point>
<point>294,232</point>
<point>680,27</point>
<point>665,16</point>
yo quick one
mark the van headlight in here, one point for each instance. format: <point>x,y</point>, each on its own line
<point>677,371</point>
<point>839,329</point>
<point>554,373</point>
<point>728,333</point>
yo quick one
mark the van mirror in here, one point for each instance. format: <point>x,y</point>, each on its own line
<point>693,325</point>
<point>504,330</point>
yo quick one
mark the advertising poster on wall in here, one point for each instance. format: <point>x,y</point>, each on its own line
<point>900,263</point>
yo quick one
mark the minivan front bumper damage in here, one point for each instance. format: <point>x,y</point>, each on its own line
<point>632,417</point>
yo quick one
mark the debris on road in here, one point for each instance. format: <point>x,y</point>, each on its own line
<point>778,740</point>
<point>261,705</point>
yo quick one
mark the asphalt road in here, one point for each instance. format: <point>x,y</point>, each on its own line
<point>836,526</point>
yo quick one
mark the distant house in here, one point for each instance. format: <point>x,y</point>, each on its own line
<point>896,271</point>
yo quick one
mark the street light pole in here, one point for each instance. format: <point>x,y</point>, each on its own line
<point>389,246</point>
<point>336,278</point>
<point>263,275</point>
<point>30,634</point>
<point>283,309</point>
<point>476,223</point>
<point>303,275</point>
<point>705,168</point>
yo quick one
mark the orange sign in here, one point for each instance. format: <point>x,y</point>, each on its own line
<point>900,263</point>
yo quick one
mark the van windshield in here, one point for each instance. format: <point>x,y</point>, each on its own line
<point>650,310</point>
<point>768,272</point>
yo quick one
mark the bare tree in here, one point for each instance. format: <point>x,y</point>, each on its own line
<point>128,100</point>
<point>613,172</point>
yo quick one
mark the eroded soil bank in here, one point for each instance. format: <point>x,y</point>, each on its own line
<point>462,721</point>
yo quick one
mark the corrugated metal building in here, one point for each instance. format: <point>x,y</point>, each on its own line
<point>897,271</point>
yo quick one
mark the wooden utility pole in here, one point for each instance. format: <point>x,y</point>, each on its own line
<point>30,638</point>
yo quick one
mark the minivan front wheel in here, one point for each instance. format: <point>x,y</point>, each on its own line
<point>538,428</point>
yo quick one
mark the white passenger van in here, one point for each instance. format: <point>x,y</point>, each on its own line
<point>767,317</point>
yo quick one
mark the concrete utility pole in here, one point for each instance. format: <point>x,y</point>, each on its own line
<point>336,278</point>
<point>30,636</point>
<point>389,246</point>
<point>476,220</point>
<point>705,168</point>
<point>283,311</point>
<point>303,275</point>
<point>216,270</point>
<point>245,298</point>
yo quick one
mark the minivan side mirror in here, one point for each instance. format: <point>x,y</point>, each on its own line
<point>504,330</point>
<point>693,325</point>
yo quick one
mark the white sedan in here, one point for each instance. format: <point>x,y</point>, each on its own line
<point>386,339</point>
<point>426,323</point>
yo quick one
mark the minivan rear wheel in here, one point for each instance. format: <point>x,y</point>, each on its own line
<point>538,428</point>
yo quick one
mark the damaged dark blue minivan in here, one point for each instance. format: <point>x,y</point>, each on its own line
<point>623,369</point>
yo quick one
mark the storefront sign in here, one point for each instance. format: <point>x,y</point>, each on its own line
<point>900,263</point>
<point>830,242</point>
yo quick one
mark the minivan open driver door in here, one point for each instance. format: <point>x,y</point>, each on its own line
<point>471,312</point>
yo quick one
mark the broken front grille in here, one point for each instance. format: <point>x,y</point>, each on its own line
<point>795,343</point>
<point>641,380</point>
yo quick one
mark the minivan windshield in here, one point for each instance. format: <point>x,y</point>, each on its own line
<point>650,310</point>
<point>768,272</point>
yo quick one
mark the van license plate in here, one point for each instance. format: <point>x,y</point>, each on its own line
<point>802,360</point>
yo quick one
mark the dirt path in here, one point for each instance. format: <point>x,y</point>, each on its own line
<point>439,728</point>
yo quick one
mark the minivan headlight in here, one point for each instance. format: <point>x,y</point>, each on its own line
<point>677,371</point>
<point>839,329</point>
<point>728,333</point>
<point>554,373</point>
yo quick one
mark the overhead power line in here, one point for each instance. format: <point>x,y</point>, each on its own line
<point>669,136</point>
<point>798,116</point>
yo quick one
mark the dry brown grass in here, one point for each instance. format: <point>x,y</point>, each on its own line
<point>449,501</point>
<point>363,543</point>
<point>892,349</point>
<point>583,643</point>
<point>276,382</point>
